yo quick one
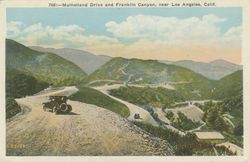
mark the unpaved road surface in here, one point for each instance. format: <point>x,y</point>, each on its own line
<point>88,130</point>
<point>133,109</point>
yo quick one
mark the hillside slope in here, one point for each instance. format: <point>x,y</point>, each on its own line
<point>19,85</point>
<point>85,60</point>
<point>229,86</point>
<point>143,71</point>
<point>46,67</point>
<point>213,70</point>
<point>91,96</point>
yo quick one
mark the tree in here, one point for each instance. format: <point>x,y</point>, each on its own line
<point>220,124</point>
<point>19,85</point>
<point>184,150</point>
<point>12,108</point>
<point>238,130</point>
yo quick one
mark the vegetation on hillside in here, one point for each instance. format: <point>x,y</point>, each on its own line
<point>12,108</point>
<point>182,122</point>
<point>157,97</point>
<point>47,67</point>
<point>29,71</point>
<point>142,71</point>
<point>231,108</point>
<point>19,85</point>
<point>196,90</point>
<point>92,96</point>
<point>229,86</point>
<point>184,145</point>
<point>216,114</point>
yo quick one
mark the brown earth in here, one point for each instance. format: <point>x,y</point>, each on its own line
<point>88,130</point>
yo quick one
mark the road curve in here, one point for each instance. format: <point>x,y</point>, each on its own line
<point>134,109</point>
<point>88,130</point>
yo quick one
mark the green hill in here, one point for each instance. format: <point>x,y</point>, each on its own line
<point>229,86</point>
<point>157,97</point>
<point>19,85</point>
<point>46,67</point>
<point>143,71</point>
<point>196,90</point>
<point>92,96</point>
<point>230,90</point>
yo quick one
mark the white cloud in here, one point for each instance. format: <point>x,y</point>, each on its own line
<point>145,36</point>
<point>33,28</point>
<point>167,29</point>
<point>233,36</point>
<point>14,28</point>
<point>67,35</point>
<point>139,28</point>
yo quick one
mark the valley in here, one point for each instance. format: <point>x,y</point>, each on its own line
<point>120,106</point>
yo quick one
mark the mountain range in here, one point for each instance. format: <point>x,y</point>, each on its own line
<point>90,62</point>
<point>55,65</point>
<point>215,70</point>
<point>87,61</point>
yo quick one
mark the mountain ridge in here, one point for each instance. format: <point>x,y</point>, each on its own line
<point>47,67</point>
<point>215,70</point>
<point>87,61</point>
<point>142,71</point>
<point>229,86</point>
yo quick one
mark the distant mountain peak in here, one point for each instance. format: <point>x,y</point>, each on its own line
<point>87,61</point>
<point>221,61</point>
<point>215,70</point>
<point>218,60</point>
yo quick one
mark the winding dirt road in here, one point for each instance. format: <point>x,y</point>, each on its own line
<point>133,109</point>
<point>88,130</point>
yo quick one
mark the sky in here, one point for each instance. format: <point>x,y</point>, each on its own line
<point>199,34</point>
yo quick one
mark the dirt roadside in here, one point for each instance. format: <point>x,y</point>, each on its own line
<point>88,130</point>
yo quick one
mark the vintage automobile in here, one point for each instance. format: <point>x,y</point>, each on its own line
<point>57,105</point>
<point>137,116</point>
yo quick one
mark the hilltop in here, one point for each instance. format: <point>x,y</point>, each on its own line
<point>143,71</point>
<point>44,66</point>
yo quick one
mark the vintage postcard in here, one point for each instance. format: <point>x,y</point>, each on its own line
<point>125,80</point>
